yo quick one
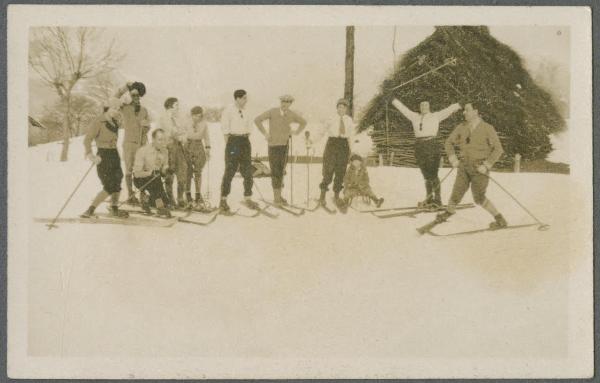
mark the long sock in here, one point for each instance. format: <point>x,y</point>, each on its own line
<point>489,206</point>
<point>99,198</point>
<point>114,197</point>
<point>129,183</point>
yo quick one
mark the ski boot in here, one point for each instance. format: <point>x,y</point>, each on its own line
<point>378,202</point>
<point>339,203</point>
<point>116,213</point>
<point>251,204</point>
<point>443,216</point>
<point>499,223</point>
<point>146,204</point>
<point>163,212</point>
<point>224,207</point>
<point>89,213</point>
<point>322,200</point>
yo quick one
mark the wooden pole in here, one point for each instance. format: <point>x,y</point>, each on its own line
<point>349,80</point>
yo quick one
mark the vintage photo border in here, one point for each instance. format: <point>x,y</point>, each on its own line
<point>596,115</point>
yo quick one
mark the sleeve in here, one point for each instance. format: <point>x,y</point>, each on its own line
<point>226,121</point>
<point>450,142</point>
<point>404,110</point>
<point>165,165</point>
<point>90,135</point>
<point>496,145</point>
<point>445,113</point>
<point>120,92</point>
<point>145,120</point>
<point>365,178</point>
<point>138,165</point>
<point>206,137</point>
<point>260,119</point>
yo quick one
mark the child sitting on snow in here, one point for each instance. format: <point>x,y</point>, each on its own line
<point>356,182</point>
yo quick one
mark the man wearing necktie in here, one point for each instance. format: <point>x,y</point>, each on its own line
<point>237,126</point>
<point>339,130</point>
<point>427,149</point>
<point>280,130</point>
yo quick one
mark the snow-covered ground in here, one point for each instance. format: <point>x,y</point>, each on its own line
<point>309,287</point>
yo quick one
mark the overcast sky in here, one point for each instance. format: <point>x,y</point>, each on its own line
<point>203,65</point>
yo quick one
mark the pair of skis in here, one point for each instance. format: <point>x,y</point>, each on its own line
<point>102,218</point>
<point>293,210</point>
<point>412,211</point>
<point>428,228</point>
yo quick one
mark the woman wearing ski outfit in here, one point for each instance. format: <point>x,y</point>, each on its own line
<point>427,148</point>
<point>480,149</point>
<point>105,131</point>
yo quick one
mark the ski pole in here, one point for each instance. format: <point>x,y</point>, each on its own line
<point>207,194</point>
<point>52,224</point>
<point>307,142</point>
<point>441,182</point>
<point>451,61</point>
<point>143,187</point>
<point>292,171</point>
<point>259,192</point>
<point>543,226</point>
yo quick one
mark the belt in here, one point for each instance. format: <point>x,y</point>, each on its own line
<point>240,135</point>
<point>425,138</point>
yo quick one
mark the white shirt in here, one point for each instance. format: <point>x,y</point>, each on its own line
<point>428,124</point>
<point>171,126</point>
<point>332,127</point>
<point>235,120</point>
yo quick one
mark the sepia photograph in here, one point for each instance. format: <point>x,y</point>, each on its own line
<point>299,192</point>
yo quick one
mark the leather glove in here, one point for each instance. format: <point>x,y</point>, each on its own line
<point>483,169</point>
<point>95,159</point>
<point>454,161</point>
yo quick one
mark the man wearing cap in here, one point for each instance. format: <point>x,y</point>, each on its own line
<point>198,149</point>
<point>427,148</point>
<point>480,149</point>
<point>136,124</point>
<point>278,136</point>
<point>339,129</point>
<point>105,131</point>
<point>236,125</point>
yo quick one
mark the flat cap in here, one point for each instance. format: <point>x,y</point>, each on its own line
<point>286,98</point>
<point>342,101</point>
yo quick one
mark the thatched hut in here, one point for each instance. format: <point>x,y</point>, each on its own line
<point>486,72</point>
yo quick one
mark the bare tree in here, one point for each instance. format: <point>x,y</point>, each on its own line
<point>349,80</point>
<point>62,57</point>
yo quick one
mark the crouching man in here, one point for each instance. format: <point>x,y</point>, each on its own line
<point>480,148</point>
<point>150,166</point>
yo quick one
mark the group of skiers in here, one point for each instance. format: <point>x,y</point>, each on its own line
<point>177,154</point>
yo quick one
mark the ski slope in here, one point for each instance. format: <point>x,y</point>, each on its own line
<point>317,286</point>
